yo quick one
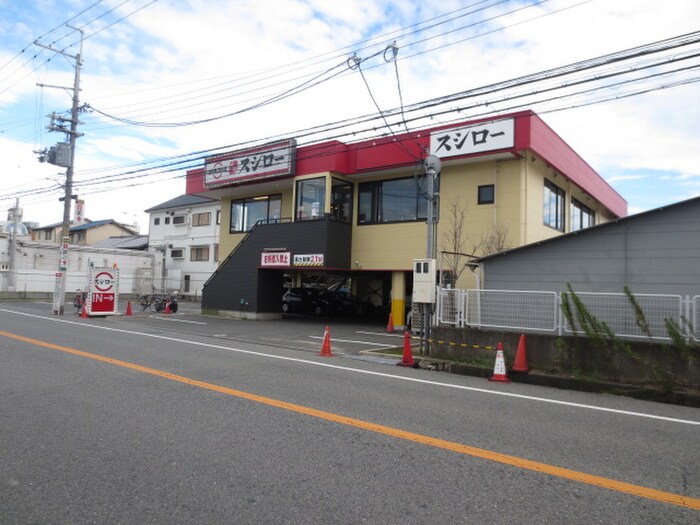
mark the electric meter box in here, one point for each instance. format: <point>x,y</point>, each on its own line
<point>424,280</point>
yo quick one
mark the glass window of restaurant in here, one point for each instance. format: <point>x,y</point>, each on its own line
<point>245,213</point>
<point>311,199</point>
<point>341,201</point>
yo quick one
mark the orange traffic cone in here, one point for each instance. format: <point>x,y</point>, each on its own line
<point>407,355</point>
<point>167,308</point>
<point>83,312</point>
<point>390,324</point>
<point>326,346</point>
<point>128,308</point>
<point>499,368</point>
<point>520,364</point>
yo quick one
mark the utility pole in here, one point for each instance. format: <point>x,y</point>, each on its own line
<point>60,283</point>
<point>16,217</point>
<point>433,165</point>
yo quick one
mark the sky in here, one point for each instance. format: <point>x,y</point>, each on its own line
<point>167,82</point>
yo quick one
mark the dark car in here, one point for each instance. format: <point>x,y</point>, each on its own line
<point>342,302</point>
<point>304,301</point>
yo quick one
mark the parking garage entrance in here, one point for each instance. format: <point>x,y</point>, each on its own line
<point>363,294</point>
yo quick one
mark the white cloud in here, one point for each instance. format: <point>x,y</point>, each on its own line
<point>148,66</point>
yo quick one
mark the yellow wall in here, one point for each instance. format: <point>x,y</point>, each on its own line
<point>394,246</point>
<point>517,211</point>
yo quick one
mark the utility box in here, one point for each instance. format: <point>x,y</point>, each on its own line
<point>424,280</point>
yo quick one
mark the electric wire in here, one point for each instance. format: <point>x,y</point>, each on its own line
<point>612,97</point>
<point>170,124</point>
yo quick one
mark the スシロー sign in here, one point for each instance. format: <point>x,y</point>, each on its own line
<point>103,291</point>
<point>271,160</point>
<point>488,136</point>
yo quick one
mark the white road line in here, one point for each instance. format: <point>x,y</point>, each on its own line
<point>366,372</point>
<point>171,319</point>
<point>385,334</point>
<point>352,341</point>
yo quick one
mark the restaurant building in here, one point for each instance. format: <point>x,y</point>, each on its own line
<point>355,214</point>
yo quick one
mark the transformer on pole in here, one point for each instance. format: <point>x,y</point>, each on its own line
<point>63,154</point>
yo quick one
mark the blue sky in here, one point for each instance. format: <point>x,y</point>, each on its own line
<point>172,62</point>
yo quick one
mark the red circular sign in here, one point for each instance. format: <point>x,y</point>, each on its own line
<point>104,281</point>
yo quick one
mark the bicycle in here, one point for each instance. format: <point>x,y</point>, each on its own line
<point>79,300</point>
<point>158,301</point>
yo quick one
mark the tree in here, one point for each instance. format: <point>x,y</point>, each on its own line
<point>458,248</point>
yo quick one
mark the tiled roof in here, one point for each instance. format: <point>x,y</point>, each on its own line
<point>181,202</point>
<point>130,242</point>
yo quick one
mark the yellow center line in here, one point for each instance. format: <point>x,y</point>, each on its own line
<point>544,468</point>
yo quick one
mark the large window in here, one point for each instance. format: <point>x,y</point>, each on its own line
<point>395,200</point>
<point>554,206</point>
<point>245,213</point>
<point>581,216</point>
<point>311,199</point>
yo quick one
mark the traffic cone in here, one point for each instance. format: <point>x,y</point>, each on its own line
<point>520,364</point>
<point>167,308</point>
<point>390,324</point>
<point>83,312</point>
<point>326,346</point>
<point>407,355</point>
<point>128,308</point>
<point>499,367</point>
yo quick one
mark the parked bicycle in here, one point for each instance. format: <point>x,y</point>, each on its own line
<point>79,300</point>
<point>158,301</point>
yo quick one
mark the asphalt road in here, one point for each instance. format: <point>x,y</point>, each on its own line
<point>190,419</point>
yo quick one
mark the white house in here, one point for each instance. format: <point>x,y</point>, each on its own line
<point>185,230</point>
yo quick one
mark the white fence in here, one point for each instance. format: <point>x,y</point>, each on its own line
<point>36,265</point>
<point>541,312</point>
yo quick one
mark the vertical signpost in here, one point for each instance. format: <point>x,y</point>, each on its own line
<point>103,294</point>
<point>59,289</point>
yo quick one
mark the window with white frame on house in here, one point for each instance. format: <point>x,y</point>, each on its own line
<point>179,219</point>
<point>581,215</point>
<point>201,219</point>
<point>156,221</point>
<point>199,253</point>
<point>218,216</point>
<point>177,253</point>
<point>554,211</point>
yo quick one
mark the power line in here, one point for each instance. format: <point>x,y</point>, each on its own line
<point>140,121</point>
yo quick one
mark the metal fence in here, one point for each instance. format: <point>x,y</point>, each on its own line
<point>541,312</point>
<point>696,317</point>
<point>645,319</point>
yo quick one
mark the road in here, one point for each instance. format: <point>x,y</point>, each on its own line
<point>193,419</point>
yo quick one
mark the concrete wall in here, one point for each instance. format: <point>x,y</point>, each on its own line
<point>571,356</point>
<point>37,263</point>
